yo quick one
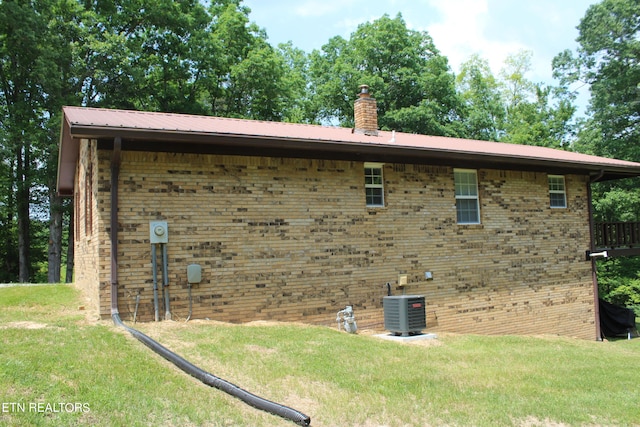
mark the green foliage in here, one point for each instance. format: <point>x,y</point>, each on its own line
<point>627,294</point>
<point>511,108</point>
<point>485,110</point>
<point>530,117</point>
<point>177,56</point>
<point>607,59</point>
<point>181,57</point>
<point>411,81</point>
<point>296,82</point>
<point>616,204</point>
<point>26,69</point>
<point>619,281</point>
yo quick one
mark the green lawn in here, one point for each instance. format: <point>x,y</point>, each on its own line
<point>58,369</point>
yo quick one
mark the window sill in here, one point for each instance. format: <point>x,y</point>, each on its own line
<point>470,226</point>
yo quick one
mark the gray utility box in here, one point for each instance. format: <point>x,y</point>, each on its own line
<point>158,232</point>
<point>404,314</point>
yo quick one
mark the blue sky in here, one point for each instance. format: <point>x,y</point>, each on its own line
<point>491,28</point>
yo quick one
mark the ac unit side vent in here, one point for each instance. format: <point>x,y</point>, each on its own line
<point>404,314</point>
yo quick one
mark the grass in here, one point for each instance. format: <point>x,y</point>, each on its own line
<point>50,354</point>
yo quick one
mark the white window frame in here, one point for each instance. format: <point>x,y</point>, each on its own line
<point>555,190</point>
<point>374,186</point>
<point>470,194</point>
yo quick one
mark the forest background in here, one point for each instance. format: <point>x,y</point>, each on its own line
<point>190,56</point>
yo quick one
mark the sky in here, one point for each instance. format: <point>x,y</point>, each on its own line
<point>459,28</point>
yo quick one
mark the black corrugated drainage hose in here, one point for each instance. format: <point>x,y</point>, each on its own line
<point>210,380</point>
<point>213,381</point>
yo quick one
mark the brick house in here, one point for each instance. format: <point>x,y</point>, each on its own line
<point>293,222</point>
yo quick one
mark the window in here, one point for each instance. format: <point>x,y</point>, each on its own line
<point>467,203</point>
<point>557,194</point>
<point>373,184</point>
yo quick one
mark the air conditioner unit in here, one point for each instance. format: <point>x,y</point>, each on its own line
<point>404,314</point>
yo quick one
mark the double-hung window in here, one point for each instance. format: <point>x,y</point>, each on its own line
<point>374,184</point>
<point>467,200</point>
<point>557,192</point>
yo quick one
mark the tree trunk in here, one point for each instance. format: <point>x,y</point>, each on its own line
<point>8,234</point>
<point>55,236</point>
<point>70,248</point>
<point>23,204</point>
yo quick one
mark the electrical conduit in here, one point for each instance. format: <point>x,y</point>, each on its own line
<point>154,272</point>
<point>165,281</point>
<point>205,377</point>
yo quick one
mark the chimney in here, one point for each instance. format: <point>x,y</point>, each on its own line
<point>365,112</point>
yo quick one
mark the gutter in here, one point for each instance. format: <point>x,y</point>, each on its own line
<point>443,151</point>
<point>116,158</point>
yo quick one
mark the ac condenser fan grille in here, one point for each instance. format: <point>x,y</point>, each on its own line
<point>404,314</point>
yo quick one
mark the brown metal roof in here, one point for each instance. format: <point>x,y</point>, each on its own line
<point>181,132</point>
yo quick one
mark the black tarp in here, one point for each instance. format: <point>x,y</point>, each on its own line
<point>615,320</point>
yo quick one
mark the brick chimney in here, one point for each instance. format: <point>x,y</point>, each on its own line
<point>365,111</point>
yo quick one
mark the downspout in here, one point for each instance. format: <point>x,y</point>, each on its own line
<point>115,174</point>
<point>205,377</point>
<point>592,247</point>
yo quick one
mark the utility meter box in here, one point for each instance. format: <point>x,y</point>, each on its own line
<point>402,280</point>
<point>158,232</point>
<point>194,273</point>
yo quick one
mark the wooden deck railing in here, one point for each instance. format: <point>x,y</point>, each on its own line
<point>617,234</point>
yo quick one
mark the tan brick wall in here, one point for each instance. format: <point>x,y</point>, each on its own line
<point>292,240</point>
<point>87,228</point>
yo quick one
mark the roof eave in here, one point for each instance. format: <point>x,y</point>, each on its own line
<point>279,146</point>
<point>67,160</point>
<point>371,151</point>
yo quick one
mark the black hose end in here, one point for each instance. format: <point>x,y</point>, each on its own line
<point>306,422</point>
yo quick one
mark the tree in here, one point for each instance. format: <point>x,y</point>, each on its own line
<point>536,122</point>
<point>608,60</point>
<point>182,56</point>
<point>162,55</point>
<point>299,107</point>
<point>65,36</point>
<point>485,111</point>
<point>23,67</point>
<point>333,78</point>
<point>511,108</point>
<point>411,81</point>
<point>142,55</point>
<point>531,118</point>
